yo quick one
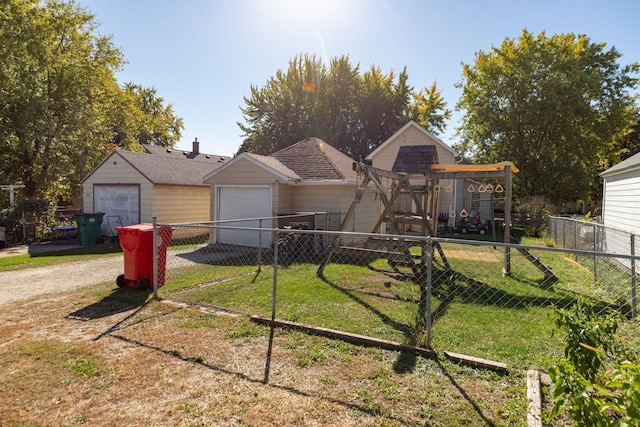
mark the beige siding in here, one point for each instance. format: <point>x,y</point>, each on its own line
<point>243,172</point>
<point>321,198</point>
<point>337,199</point>
<point>385,158</point>
<point>285,201</point>
<point>116,171</point>
<point>174,204</point>
<point>412,136</point>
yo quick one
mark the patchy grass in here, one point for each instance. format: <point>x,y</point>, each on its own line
<point>161,364</point>
<point>58,257</point>
<point>118,357</point>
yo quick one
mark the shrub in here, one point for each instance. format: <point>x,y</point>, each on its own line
<point>40,214</point>
<point>599,382</point>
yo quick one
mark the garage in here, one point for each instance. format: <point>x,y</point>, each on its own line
<point>132,188</point>
<point>240,202</point>
<point>119,203</point>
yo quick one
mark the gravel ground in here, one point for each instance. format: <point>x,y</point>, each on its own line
<point>30,282</point>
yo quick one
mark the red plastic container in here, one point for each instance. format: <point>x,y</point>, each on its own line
<point>137,243</point>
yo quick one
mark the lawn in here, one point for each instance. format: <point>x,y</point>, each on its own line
<point>105,356</point>
<point>475,309</point>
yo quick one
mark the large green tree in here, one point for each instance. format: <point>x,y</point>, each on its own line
<point>552,105</point>
<point>61,107</point>
<point>142,117</point>
<point>353,111</point>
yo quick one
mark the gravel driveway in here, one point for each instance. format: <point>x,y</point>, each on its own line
<point>30,282</point>
<point>23,284</point>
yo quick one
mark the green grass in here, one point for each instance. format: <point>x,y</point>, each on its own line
<point>475,310</point>
<point>58,257</point>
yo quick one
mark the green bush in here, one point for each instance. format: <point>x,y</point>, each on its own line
<point>40,213</point>
<point>599,381</point>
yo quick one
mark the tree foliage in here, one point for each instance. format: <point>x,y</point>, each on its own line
<point>147,120</point>
<point>353,111</point>
<point>61,108</point>
<point>552,105</point>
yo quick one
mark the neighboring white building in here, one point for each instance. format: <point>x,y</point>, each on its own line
<point>621,203</point>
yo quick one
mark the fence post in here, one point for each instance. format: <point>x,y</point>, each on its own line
<point>595,249</point>
<point>429,284</point>
<point>275,275</point>
<point>633,276</point>
<point>155,258</point>
<point>260,245</point>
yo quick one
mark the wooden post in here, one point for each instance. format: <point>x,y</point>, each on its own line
<point>506,271</point>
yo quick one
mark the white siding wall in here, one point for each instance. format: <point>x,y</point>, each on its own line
<point>621,204</point>
<point>621,210</point>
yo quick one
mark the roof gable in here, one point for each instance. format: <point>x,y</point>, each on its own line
<point>163,170</point>
<point>267,163</point>
<point>411,123</point>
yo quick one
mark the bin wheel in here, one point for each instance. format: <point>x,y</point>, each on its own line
<point>143,284</point>
<point>120,281</point>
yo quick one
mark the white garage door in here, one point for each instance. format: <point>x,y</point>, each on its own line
<point>120,204</point>
<point>244,202</point>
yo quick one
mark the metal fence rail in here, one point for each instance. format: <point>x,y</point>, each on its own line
<point>444,294</point>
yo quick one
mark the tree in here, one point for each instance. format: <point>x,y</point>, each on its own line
<point>352,111</point>
<point>61,107</point>
<point>629,143</point>
<point>429,109</point>
<point>552,105</point>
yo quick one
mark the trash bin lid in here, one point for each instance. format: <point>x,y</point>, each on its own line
<point>138,228</point>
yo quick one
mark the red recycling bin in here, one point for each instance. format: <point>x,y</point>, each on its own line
<point>137,243</point>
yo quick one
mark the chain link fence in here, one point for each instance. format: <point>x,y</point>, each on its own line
<point>484,299</point>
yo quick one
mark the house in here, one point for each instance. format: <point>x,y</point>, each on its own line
<point>454,195</point>
<point>131,188</point>
<point>620,201</point>
<point>310,176</point>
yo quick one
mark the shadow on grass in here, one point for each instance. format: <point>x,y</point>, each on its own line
<point>243,376</point>
<point>454,286</point>
<point>120,300</point>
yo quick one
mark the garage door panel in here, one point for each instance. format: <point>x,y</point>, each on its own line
<point>120,204</point>
<point>244,203</point>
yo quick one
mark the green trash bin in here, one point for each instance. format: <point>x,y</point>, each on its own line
<point>89,228</point>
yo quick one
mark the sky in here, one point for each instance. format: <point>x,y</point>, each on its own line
<point>202,56</point>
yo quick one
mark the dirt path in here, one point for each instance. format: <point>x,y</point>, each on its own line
<point>30,282</point>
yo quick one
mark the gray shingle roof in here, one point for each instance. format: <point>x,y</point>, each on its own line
<point>180,154</point>
<point>167,170</point>
<point>315,160</point>
<point>275,164</point>
<point>415,159</point>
